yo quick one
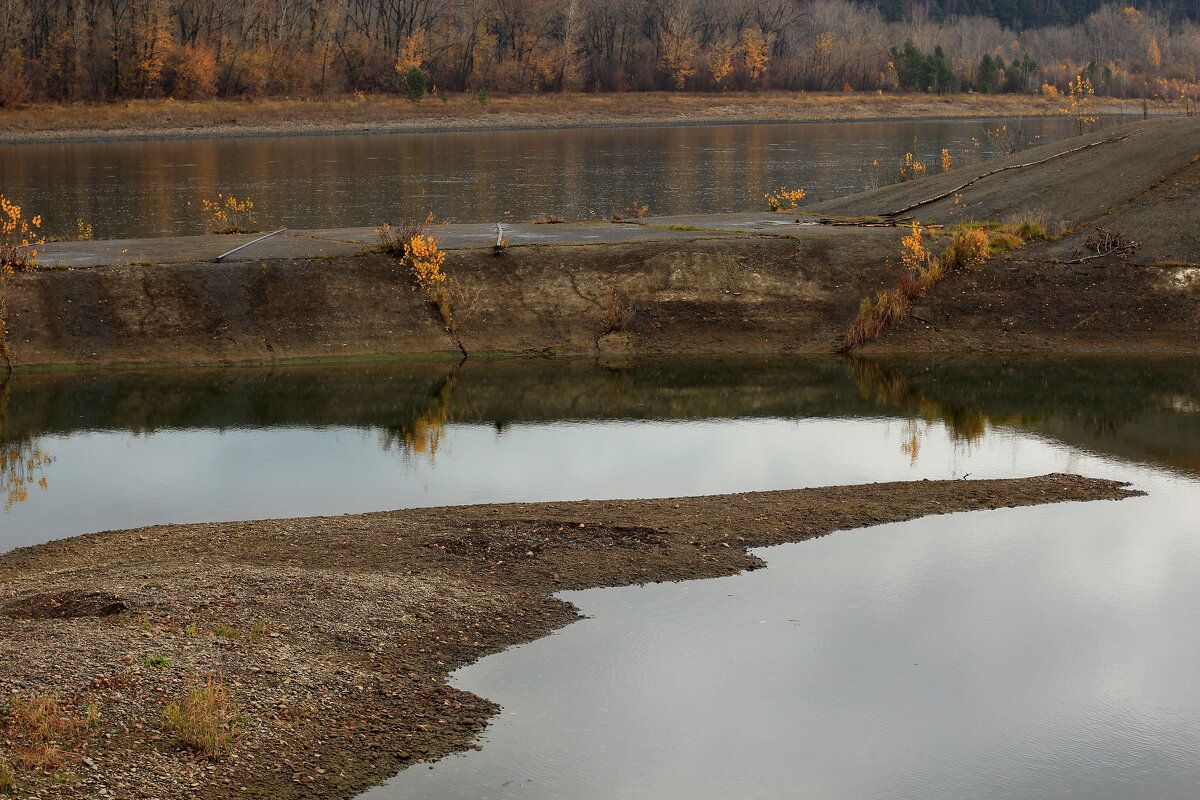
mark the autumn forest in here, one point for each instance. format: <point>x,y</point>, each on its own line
<point>69,50</point>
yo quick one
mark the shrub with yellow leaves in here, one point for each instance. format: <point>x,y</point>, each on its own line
<point>912,168</point>
<point>19,238</point>
<point>227,214</point>
<point>784,199</point>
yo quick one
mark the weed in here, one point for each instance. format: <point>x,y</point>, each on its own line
<point>1003,242</point>
<point>83,231</point>
<point>228,215</point>
<point>967,248</point>
<point>8,777</point>
<point>616,315</point>
<point>784,199</point>
<point>548,219</point>
<point>394,240</point>
<point>93,715</point>
<point>156,661</point>
<point>260,629</point>
<point>635,210</point>
<point>206,719</point>
<point>191,630</point>
<point>947,160</point>
<point>225,632</point>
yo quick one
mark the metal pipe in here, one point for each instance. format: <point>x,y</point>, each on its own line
<point>247,244</point>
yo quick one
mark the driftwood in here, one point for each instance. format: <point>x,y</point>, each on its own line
<point>957,189</point>
<point>888,223</point>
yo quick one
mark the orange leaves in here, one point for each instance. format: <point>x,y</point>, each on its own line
<point>912,168</point>
<point>425,259</point>
<point>19,238</point>
<point>228,214</point>
<point>784,199</point>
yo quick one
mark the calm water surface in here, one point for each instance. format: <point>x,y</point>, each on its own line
<point>141,189</point>
<point>1044,652</point>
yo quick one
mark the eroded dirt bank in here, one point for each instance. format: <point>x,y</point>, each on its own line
<point>336,634</point>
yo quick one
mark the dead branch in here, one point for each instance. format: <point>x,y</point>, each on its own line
<point>1104,242</point>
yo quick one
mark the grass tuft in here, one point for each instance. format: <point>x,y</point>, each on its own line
<point>206,720</point>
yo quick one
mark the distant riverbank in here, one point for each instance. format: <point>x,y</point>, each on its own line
<point>171,119</point>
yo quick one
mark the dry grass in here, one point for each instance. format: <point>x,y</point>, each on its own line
<point>966,248</point>
<point>549,219</point>
<point>8,778</point>
<point>616,315</point>
<point>41,728</point>
<point>206,720</point>
<point>394,239</point>
<point>920,272</point>
<point>462,110</point>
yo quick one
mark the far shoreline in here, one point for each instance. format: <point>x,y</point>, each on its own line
<point>156,120</point>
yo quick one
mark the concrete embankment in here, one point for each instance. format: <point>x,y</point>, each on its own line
<point>730,283</point>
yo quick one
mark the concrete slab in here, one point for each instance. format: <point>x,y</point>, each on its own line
<point>344,242</point>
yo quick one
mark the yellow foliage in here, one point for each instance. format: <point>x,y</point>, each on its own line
<point>412,54</point>
<point>229,215</point>
<point>947,161</point>
<point>720,61</point>
<point>914,256</point>
<point>19,238</point>
<point>784,199</point>
<point>1081,99</point>
<point>425,259</point>
<point>756,51</point>
<point>912,168</point>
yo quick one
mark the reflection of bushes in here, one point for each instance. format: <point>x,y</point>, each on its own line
<point>890,388</point>
<point>423,432</point>
<point>22,461</point>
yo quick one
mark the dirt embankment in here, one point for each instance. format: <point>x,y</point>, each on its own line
<point>715,293</point>
<point>336,634</point>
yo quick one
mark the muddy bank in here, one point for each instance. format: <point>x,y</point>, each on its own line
<point>718,292</point>
<point>725,293</point>
<point>156,119</point>
<point>336,634</point>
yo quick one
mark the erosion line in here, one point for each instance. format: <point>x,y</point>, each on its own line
<point>956,189</point>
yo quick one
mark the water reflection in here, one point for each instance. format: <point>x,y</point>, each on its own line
<point>23,462</point>
<point>144,447</point>
<point>132,189</point>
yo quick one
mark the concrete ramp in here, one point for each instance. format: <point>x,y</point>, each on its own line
<point>1077,180</point>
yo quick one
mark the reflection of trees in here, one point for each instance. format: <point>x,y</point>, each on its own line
<point>422,432</point>
<point>891,388</point>
<point>22,461</point>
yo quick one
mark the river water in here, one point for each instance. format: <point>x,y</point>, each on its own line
<point>1044,652</point>
<point>154,188</point>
